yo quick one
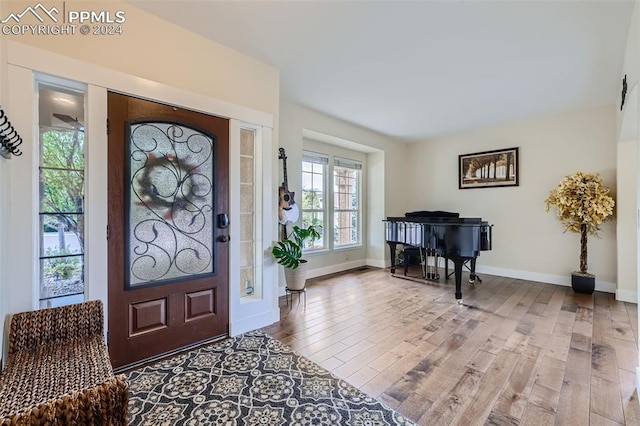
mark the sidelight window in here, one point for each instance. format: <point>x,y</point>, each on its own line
<point>61,194</point>
<point>247,213</point>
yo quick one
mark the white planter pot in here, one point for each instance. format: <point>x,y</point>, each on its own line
<point>296,278</point>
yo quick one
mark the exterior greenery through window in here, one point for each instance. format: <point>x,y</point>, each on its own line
<point>314,176</point>
<point>333,207</point>
<point>62,162</point>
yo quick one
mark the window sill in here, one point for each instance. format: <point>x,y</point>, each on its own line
<point>317,252</point>
<point>348,247</point>
<point>320,252</point>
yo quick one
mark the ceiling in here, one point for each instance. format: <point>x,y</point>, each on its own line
<point>421,69</point>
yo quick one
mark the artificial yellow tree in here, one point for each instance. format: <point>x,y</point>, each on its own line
<point>582,203</point>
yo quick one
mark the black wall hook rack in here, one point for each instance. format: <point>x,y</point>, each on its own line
<point>10,140</point>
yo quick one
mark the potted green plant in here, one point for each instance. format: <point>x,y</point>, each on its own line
<point>583,203</point>
<point>288,253</point>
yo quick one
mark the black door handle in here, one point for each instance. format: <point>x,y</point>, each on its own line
<point>223,221</point>
<point>223,238</point>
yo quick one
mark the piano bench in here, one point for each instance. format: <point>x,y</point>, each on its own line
<point>409,253</point>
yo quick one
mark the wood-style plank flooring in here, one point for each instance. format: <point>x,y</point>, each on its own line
<point>517,352</point>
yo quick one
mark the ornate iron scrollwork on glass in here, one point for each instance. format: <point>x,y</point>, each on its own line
<point>171,196</point>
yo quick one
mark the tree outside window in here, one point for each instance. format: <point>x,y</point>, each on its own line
<point>62,163</point>
<point>313,196</point>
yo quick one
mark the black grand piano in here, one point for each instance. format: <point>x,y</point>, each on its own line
<point>445,234</point>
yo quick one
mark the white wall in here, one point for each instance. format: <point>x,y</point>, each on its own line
<point>627,171</point>
<point>527,242</point>
<point>628,132</point>
<point>630,68</point>
<point>626,219</point>
<point>4,191</point>
<point>155,49</point>
<point>386,170</point>
<point>377,249</point>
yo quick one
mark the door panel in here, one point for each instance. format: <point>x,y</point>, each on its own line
<point>168,255</point>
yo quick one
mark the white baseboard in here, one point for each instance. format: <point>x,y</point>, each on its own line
<point>317,272</point>
<point>540,277</point>
<point>255,322</point>
<point>637,382</point>
<point>607,287</point>
<point>332,269</point>
<point>627,296</point>
<point>378,263</point>
<point>563,280</point>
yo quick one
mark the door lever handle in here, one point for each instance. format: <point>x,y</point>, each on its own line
<point>223,238</point>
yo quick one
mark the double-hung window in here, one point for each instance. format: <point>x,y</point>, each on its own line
<point>331,199</point>
<point>314,202</point>
<point>346,201</point>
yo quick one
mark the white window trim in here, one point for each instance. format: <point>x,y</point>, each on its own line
<point>328,212</point>
<point>355,165</point>
<point>56,82</point>
<point>310,156</point>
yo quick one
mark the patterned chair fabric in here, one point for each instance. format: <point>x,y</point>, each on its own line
<point>58,370</point>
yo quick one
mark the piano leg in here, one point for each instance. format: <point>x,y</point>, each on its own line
<point>392,249</point>
<point>457,264</point>
<point>446,267</point>
<point>472,276</point>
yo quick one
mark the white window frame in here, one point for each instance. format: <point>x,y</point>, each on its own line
<point>356,165</point>
<point>329,209</point>
<point>63,84</point>
<point>317,158</point>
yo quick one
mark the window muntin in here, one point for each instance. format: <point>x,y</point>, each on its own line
<point>314,177</point>
<point>331,198</point>
<point>61,194</point>
<point>346,202</point>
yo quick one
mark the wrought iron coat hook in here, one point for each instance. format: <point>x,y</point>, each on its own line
<point>10,140</point>
<point>624,91</point>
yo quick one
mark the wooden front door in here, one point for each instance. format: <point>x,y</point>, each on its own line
<point>167,237</point>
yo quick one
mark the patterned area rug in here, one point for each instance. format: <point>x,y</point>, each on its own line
<point>251,379</point>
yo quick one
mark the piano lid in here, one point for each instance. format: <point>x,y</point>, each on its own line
<point>431,213</point>
<point>443,220</point>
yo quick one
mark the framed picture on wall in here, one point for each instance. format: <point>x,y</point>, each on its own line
<point>488,169</point>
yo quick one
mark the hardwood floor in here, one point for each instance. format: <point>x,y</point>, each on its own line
<point>517,352</point>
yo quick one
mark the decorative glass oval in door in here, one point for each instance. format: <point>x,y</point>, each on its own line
<point>169,228</point>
